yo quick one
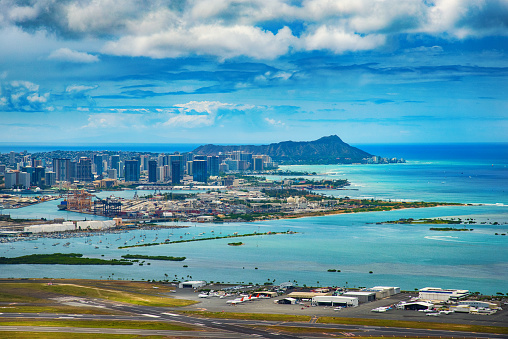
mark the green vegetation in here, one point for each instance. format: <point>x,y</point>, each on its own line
<point>450,229</point>
<point>57,309</point>
<point>424,221</point>
<point>413,324</point>
<point>60,259</point>
<point>63,335</point>
<point>134,324</point>
<point>235,243</point>
<point>74,289</point>
<point>153,257</point>
<point>211,238</point>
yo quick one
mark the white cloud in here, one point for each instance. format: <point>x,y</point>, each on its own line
<point>35,97</point>
<point>114,120</point>
<point>79,88</point>
<point>340,41</point>
<point>201,113</point>
<point>22,96</point>
<point>68,55</point>
<point>231,28</point>
<point>274,122</point>
<point>221,41</point>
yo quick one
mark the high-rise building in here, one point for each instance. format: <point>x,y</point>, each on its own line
<point>243,165</point>
<point>99,166</point>
<point>84,169</point>
<point>132,170</point>
<point>152,171</point>
<point>213,165</point>
<point>112,173</point>
<point>175,172</point>
<point>29,170</point>
<point>24,179</point>
<point>115,162</point>
<point>160,172</point>
<point>223,168</point>
<point>50,178</point>
<point>188,167</point>
<point>11,179</point>
<point>121,173</point>
<point>38,176</point>
<point>36,163</point>
<point>258,164</point>
<point>143,162</point>
<point>62,168</point>
<point>74,170</point>
<point>199,172</point>
<point>17,179</point>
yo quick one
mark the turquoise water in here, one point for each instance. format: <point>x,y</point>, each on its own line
<point>408,256</point>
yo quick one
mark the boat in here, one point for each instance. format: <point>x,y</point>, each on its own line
<point>63,205</point>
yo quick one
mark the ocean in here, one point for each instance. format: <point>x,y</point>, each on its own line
<point>407,256</point>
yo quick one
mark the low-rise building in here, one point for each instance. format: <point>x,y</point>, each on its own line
<point>334,300</point>
<point>362,296</point>
<point>192,284</point>
<point>434,293</point>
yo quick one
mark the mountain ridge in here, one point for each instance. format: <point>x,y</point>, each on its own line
<point>325,150</point>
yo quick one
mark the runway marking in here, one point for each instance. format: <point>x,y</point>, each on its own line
<point>172,314</point>
<point>151,315</point>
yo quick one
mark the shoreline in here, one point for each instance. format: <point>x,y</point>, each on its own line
<point>150,225</point>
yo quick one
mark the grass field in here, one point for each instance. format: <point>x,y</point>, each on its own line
<point>413,324</point>
<point>35,292</point>
<point>58,309</point>
<point>56,335</point>
<point>146,325</point>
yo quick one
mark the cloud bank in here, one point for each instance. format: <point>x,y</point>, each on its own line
<point>252,28</point>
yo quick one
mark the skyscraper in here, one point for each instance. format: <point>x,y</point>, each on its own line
<point>213,165</point>
<point>152,171</point>
<point>62,168</point>
<point>115,162</point>
<point>84,169</point>
<point>199,172</point>
<point>97,160</point>
<point>38,176</point>
<point>132,170</point>
<point>175,172</point>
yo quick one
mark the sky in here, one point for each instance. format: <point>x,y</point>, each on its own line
<point>253,71</point>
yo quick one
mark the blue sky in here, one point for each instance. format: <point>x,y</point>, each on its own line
<point>253,71</point>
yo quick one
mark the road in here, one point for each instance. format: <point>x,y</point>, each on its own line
<point>223,328</point>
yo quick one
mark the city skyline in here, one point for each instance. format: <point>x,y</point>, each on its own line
<point>79,72</point>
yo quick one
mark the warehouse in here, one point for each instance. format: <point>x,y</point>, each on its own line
<point>362,296</point>
<point>192,284</point>
<point>333,300</point>
<point>433,293</point>
<point>383,291</point>
<point>419,305</point>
